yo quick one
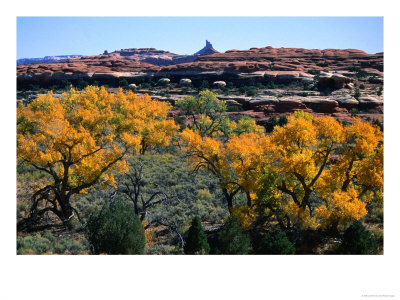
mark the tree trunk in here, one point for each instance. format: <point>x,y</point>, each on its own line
<point>66,211</point>
<point>229,198</point>
<point>333,229</point>
<point>248,199</point>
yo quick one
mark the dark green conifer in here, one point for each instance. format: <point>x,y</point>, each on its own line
<point>116,229</point>
<point>232,239</point>
<point>358,240</point>
<point>196,242</point>
<point>274,242</point>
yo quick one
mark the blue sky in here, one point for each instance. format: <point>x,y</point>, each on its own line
<point>41,36</point>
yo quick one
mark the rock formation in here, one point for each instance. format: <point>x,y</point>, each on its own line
<point>278,64</point>
<point>185,82</point>
<point>46,59</point>
<point>332,81</point>
<point>285,59</point>
<point>207,50</point>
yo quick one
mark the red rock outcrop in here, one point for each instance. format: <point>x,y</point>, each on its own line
<point>284,59</point>
<point>272,61</point>
<point>89,64</point>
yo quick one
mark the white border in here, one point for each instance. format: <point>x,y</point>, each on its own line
<point>211,277</point>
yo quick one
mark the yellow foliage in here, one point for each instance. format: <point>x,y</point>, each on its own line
<point>340,165</point>
<point>245,155</point>
<point>149,235</point>
<point>364,137</point>
<point>300,216</point>
<point>341,206</point>
<point>245,215</point>
<point>310,158</point>
<point>237,163</point>
<point>245,125</point>
<point>80,138</point>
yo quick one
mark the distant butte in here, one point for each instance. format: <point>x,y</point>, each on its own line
<point>207,50</point>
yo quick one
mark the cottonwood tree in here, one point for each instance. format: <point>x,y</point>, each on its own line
<point>234,164</point>
<point>325,173</point>
<point>209,118</point>
<point>310,173</point>
<point>81,138</point>
<point>205,141</point>
<point>206,112</point>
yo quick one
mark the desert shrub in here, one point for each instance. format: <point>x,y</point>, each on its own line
<point>274,242</point>
<point>230,85</point>
<point>314,72</point>
<point>191,196</point>
<point>180,120</point>
<point>354,69</point>
<point>163,250</point>
<point>296,83</point>
<point>251,82</point>
<point>378,235</point>
<point>260,86</point>
<point>303,94</point>
<point>271,123</point>
<point>345,123</point>
<point>163,82</point>
<point>131,88</point>
<point>357,94</point>
<point>248,90</point>
<point>362,86</point>
<point>92,202</point>
<point>33,87</point>
<point>251,91</point>
<point>82,84</point>
<point>185,90</point>
<point>374,215</point>
<point>232,239</point>
<point>22,209</point>
<point>65,84</point>
<point>358,240</point>
<point>73,246</point>
<point>270,85</point>
<point>35,244</point>
<point>145,85</point>
<point>165,94</point>
<point>204,208</point>
<point>116,229</point>
<point>226,91</point>
<point>204,85</point>
<point>123,83</point>
<point>242,89</point>
<point>196,242</point>
<point>354,112</point>
<point>48,243</point>
<point>234,108</point>
<point>379,92</point>
<point>374,80</point>
<point>282,121</point>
